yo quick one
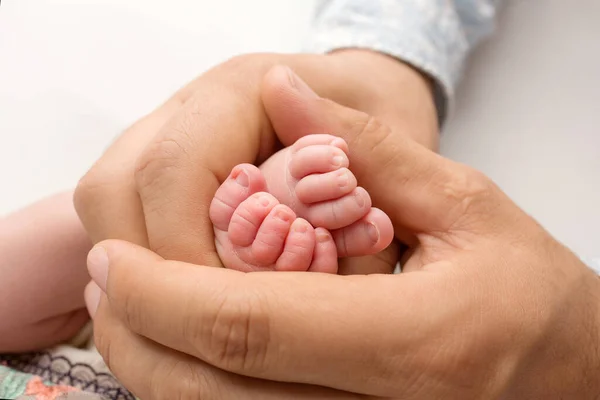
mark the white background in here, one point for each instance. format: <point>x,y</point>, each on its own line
<point>73,74</point>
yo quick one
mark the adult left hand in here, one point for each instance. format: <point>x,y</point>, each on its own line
<point>490,305</point>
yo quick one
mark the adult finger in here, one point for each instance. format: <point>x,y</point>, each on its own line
<point>179,172</point>
<point>255,324</point>
<point>106,194</point>
<point>156,158</point>
<point>419,189</point>
<point>151,371</point>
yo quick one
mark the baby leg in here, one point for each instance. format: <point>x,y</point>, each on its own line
<point>43,249</point>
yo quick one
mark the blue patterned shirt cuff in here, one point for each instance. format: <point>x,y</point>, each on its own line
<point>434,36</point>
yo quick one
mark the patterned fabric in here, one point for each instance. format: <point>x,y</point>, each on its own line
<point>17,385</point>
<point>436,36</point>
<point>52,375</point>
<point>74,371</point>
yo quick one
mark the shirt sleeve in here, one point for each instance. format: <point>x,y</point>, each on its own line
<point>435,36</point>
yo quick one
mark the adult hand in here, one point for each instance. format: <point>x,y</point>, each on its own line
<point>490,306</point>
<point>154,185</point>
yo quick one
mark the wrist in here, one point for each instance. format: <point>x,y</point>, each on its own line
<point>395,92</point>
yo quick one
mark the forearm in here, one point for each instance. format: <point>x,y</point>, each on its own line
<point>434,36</point>
<point>400,95</point>
<point>43,249</point>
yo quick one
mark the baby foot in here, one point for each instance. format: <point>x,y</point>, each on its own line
<point>313,179</point>
<point>254,232</point>
<point>256,213</point>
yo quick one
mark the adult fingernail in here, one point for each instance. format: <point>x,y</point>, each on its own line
<point>373,232</point>
<point>300,85</point>
<point>92,295</point>
<point>97,263</point>
<point>242,179</point>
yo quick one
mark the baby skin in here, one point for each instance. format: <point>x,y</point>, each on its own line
<point>300,211</point>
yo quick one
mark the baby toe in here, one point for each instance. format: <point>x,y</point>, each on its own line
<point>369,235</point>
<point>248,218</point>
<point>299,247</point>
<point>341,212</point>
<point>271,236</point>
<point>328,186</point>
<point>316,159</point>
<point>243,181</point>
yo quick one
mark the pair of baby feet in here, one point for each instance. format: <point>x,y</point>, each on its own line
<point>299,211</point>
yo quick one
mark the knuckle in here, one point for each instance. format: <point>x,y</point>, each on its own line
<point>89,190</point>
<point>469,191</point>
<point>369,126</point>
<point>183,379</point>
<point>239,332</point>
<point>159,158</point>
<point>368,132</point>
<point>468,183</point>
<point>238,69</point>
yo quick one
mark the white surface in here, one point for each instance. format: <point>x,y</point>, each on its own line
<point>73,74</point>
<point>528,115</point>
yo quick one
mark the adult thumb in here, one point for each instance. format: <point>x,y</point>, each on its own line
<point>420,190</point>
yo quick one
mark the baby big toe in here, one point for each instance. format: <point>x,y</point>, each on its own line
<point>341,212</point>
<point>369,235</point>
<point>243,181</point>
